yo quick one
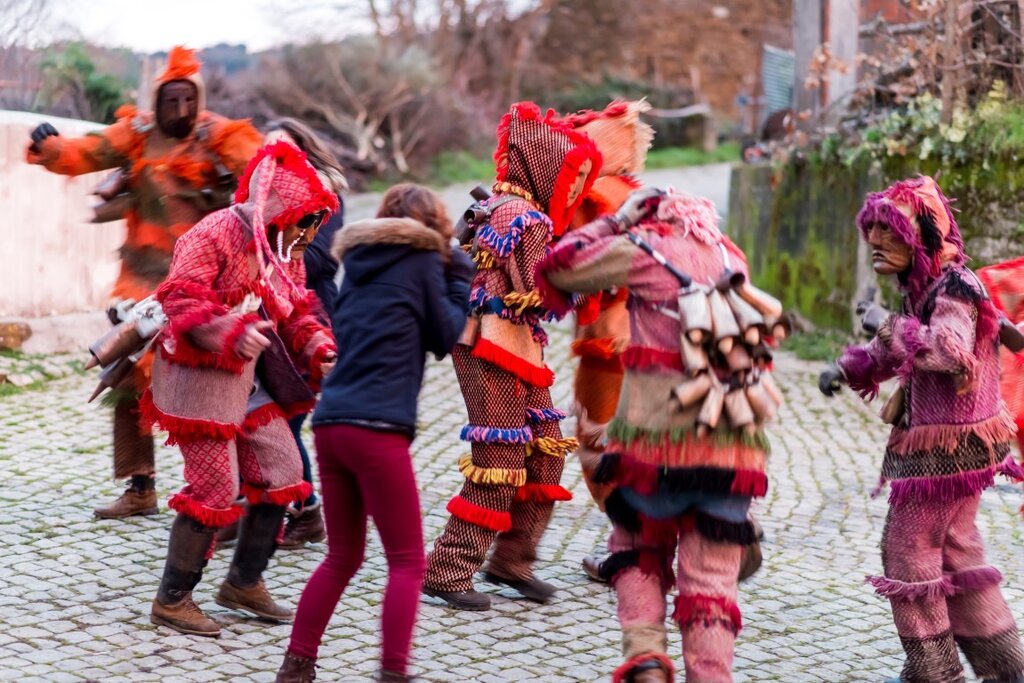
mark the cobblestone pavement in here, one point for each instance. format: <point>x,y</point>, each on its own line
<point>75,592</point>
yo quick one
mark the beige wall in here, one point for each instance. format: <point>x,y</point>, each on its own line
<point>52,259</point>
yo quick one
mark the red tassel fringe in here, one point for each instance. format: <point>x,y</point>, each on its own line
<point>481,516</point>
<point>542,493</point>
<point>182,429</point>
<point>286,495</point>
<point>261,417</point>
<point>205,515</point>
<point>595,348</point>
<point>538,376</point>
<point>690,609</point>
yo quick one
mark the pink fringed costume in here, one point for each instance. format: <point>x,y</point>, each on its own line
<point>948,442</point>
<point>680,489</point>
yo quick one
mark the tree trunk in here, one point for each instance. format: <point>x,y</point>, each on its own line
<point>950,56</point>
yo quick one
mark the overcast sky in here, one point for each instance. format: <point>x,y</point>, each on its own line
<point>154,25</point>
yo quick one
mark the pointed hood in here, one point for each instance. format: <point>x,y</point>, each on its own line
<point>182,65</point>
<point>622,138</point>
<point>542,154</point>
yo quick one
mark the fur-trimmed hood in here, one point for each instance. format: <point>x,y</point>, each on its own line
<point>387,231</point>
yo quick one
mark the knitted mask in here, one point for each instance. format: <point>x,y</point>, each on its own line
<point>542,154</point>
<point>917,212</point>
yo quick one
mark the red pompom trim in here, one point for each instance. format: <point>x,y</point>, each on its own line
<point>542,493</point>
<point>204,514</point>
<point>690,609</point>
<point>481,516</point>
<point>292,159</point>
<point>538,376</point>
<point>262,416</point>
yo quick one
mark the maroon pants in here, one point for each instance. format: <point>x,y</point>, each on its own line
<point>365,473</point>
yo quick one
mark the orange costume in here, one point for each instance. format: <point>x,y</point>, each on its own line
<point>602,332</point>
<point>173,183</point>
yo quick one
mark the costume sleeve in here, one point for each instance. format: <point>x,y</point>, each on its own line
<point>945,345</point>
<point>867,366</point>
<point>586,261</point>
<point>202,331</point>
<point>446,301</point>
<point>235,142</point>
<point>308,340</point>
<point>98,151</point>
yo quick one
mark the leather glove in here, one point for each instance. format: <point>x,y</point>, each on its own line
<point>639,204</point>
<point>41,132</point>
<point>872,316</point>
<point>830,381</point>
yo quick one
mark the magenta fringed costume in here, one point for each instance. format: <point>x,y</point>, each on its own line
<point>680,491</point>
<point>952,437</point>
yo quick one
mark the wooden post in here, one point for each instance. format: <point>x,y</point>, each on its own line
<point>950,57</point>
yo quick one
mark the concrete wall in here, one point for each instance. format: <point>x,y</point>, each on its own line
<point>52,259</point>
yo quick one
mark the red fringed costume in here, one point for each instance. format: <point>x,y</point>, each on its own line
<point>512,477</point>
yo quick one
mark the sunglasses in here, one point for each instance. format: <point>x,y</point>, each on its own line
<point>311,220</point>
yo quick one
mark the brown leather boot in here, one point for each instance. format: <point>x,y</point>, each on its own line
<point>306,526</point>
<point>130,503</point>
<point>253,599</point>
<point>184,616</point>
<point>296,669</point>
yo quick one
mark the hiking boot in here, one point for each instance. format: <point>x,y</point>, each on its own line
<point>129,504</point>
<point>296,669</point>
<point>304,526</point>
<point>255,600</point>
<point>392,677</point>
<point>532,589</point>
<point>184,616</point>
<point>592,568</point>
<point>469,601</point>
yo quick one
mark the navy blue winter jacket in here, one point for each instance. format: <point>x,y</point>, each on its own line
<point>321,266</point>
<point>398,301</point>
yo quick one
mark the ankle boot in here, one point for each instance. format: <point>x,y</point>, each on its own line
<point>186,557</point>
<point>296,669</point>
<point>257,540</point>
<point>138,499</point>
<point>304,526</point>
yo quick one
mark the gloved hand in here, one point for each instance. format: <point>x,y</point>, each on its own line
<point>149,317</point>
<point>637,206</point>
<point>118,310</point>
<point>830,381</point>
<point>41,132</point>
<point>872,316</point>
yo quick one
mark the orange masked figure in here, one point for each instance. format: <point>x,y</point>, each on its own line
<point>180,162</point>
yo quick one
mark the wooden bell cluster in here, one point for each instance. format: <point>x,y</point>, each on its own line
<point>724,340</point>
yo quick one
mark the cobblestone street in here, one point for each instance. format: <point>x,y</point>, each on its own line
<point>75,592</point>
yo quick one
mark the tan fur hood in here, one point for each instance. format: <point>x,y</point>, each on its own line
<point>387,231</point>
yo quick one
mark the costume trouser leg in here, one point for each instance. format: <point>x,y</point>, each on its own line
<point>597,387</point>
<point>496,403</point>
<point>979,617</point>
<point>133,445</point>
<point>641,583</point>
<point>914,582</point>
<point>706,608</point>
<point>515,550</point>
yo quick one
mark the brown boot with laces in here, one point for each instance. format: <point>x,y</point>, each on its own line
<point>253,599</point>
<point>184,616</point>
<point>296,669</point>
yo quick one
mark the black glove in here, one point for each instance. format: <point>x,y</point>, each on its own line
<point>460,267</point>
<point>41,132</point>
<point>872,316</point>
<point>831,380</point>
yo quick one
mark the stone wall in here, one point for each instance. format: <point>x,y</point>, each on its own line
<point>798,229</point>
